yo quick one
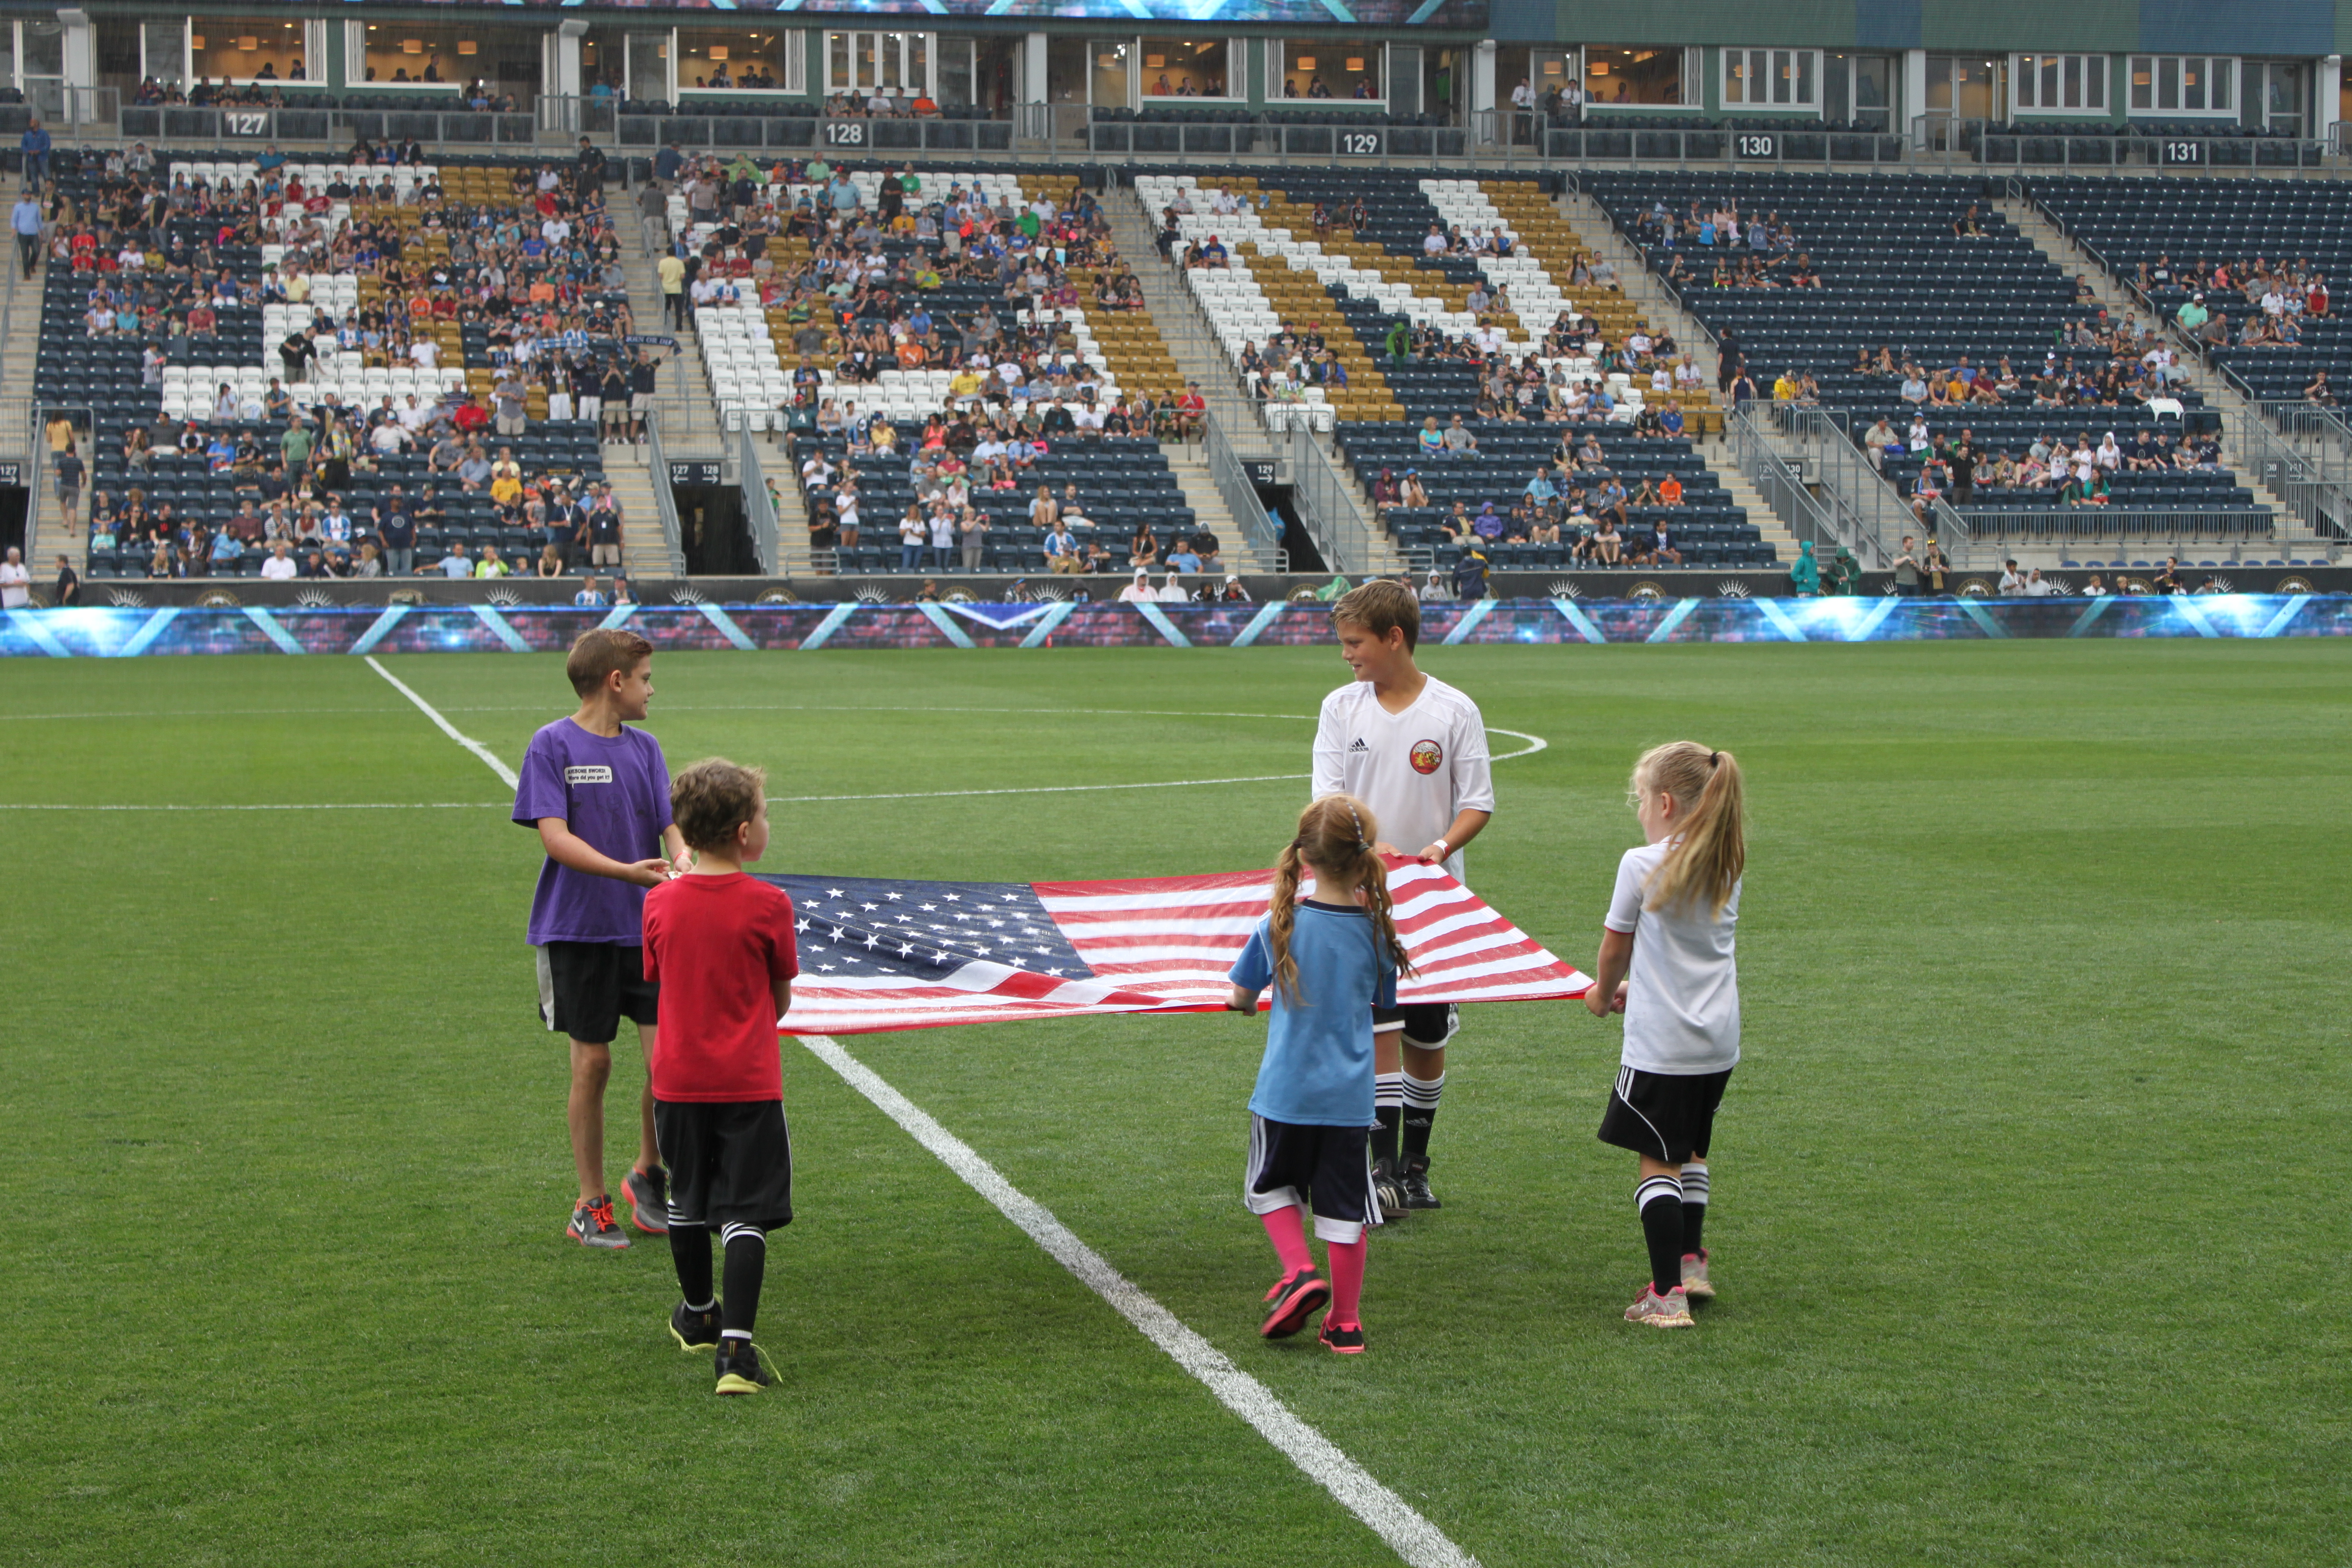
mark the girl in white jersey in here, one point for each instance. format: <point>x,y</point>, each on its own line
<point>1667,963</point>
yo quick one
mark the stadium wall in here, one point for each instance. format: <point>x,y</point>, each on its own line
<point>484,628</point>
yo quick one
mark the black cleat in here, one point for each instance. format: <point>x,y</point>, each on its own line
<point>1387,1191</point>
<point>1291,1301</point>
<point>739,1368</point>
<point>1342,1341</point>
<point>1415,1184</point>
<point>695,1331</point>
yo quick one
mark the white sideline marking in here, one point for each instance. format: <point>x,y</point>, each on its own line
<point>1411,1536</point>
<point>1535,744</point>
<point>505,774</point>
<point>295,806</point>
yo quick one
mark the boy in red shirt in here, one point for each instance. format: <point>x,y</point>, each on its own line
<point>721,945</point>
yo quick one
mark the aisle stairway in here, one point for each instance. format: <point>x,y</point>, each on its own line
<point>46,537</point>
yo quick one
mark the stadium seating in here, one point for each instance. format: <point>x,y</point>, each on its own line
<point>1894,274</point>
<point>105,374</point>
<point>1122,482</point>
<point>2201,224</point>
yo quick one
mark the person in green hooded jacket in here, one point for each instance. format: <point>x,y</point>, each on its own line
<point>1400,341</point>
<point>1805,576</point>
<point>1844,575</point>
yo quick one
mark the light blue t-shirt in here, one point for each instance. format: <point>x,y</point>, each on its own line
<point>1317,1070</point>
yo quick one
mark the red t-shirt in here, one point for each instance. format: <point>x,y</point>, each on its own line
<point>717,945</point>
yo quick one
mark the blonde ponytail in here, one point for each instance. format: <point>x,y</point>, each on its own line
<point>1709,847</point>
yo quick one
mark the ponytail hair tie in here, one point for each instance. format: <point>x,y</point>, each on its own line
<point>1714,759</point>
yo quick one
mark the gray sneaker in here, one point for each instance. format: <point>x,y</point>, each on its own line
<point>592,1225</point>
<point>1696,1284</point>
<point>648,1200</point>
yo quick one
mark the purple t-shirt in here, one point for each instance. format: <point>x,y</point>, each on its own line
<point>614,794</point>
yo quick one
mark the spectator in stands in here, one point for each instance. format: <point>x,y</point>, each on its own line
<point>281,566</point>
<point>1138,592</point>
<point>26,219</point>
<point>2317,391</point>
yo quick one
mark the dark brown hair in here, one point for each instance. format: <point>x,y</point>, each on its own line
<point>1335,833</point>
<point>597,653</point>
<point>1378,606</point>
<point>714,797</point>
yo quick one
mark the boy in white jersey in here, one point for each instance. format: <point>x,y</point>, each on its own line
<point>1414,750</point>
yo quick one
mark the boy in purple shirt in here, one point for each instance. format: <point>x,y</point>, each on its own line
<point>598,792</point>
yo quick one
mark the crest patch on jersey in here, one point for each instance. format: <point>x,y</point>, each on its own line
<point>1426,756</point>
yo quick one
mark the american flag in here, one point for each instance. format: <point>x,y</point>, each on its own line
<point>878,956</point>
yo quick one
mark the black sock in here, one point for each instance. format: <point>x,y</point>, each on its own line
<point>690,1250</point>
<point>1693,1206</point>
<point>747,1266</point>
<point>1421,1095</point>
<point>1660,1199</point>
<point>1388,1110</point>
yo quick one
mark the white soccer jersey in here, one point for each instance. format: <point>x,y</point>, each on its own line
<point>1415,769</point>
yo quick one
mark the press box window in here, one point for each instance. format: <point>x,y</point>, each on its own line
<point>1771,79</point>
<point>2048,84</point>
<point>2183,84</point>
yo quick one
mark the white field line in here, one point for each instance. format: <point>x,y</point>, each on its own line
<point>1535,744</point>
<point>320,806</point>
<point>1413,1538</point>
<point>505,775</point>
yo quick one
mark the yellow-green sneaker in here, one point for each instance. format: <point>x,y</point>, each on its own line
<point>739,1368</point>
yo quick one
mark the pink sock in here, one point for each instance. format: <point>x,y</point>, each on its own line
<point>1289,1234</point>
<point>1347,1283</point>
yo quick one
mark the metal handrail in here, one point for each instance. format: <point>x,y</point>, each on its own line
<point>1327,506</point>
<point>758,506</point>
<point>1780,483</point>
<point>1951,140</point>
<point>1868,513</point>
<point>665,503</point>
<point>1233,484</point>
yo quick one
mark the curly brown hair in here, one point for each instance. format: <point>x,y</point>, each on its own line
<point>714,797</point>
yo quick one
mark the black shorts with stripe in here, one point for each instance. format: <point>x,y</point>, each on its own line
<point>586,988</point>
<point>1428,1025</point>
<point>1670,1117</point>
<point>730,1162</point>
<point>1326,1169</point>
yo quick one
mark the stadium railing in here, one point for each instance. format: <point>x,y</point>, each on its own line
<point>178,124</point>
<point>758,506</point>
<point>1238,488</point>
<point>1327,506</point>
<point>665,503</point>
<point>1951,140</point>
<point>1782,485</point>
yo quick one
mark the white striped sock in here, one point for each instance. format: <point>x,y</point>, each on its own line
<point>1422,1093</point>
<point>1653,1188</point>
<point>1693,1182</point>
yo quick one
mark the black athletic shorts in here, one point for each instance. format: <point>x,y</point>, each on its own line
<point>730,1162</point>
<point>586,988</point>
<point>1326,1169</point>
<point>1428,1025</point>
<point>1670,1117</point>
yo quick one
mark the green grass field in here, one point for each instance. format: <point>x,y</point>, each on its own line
<point>2026,1196</point>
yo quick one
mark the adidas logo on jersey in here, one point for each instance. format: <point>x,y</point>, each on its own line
<point>1359,746</point>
